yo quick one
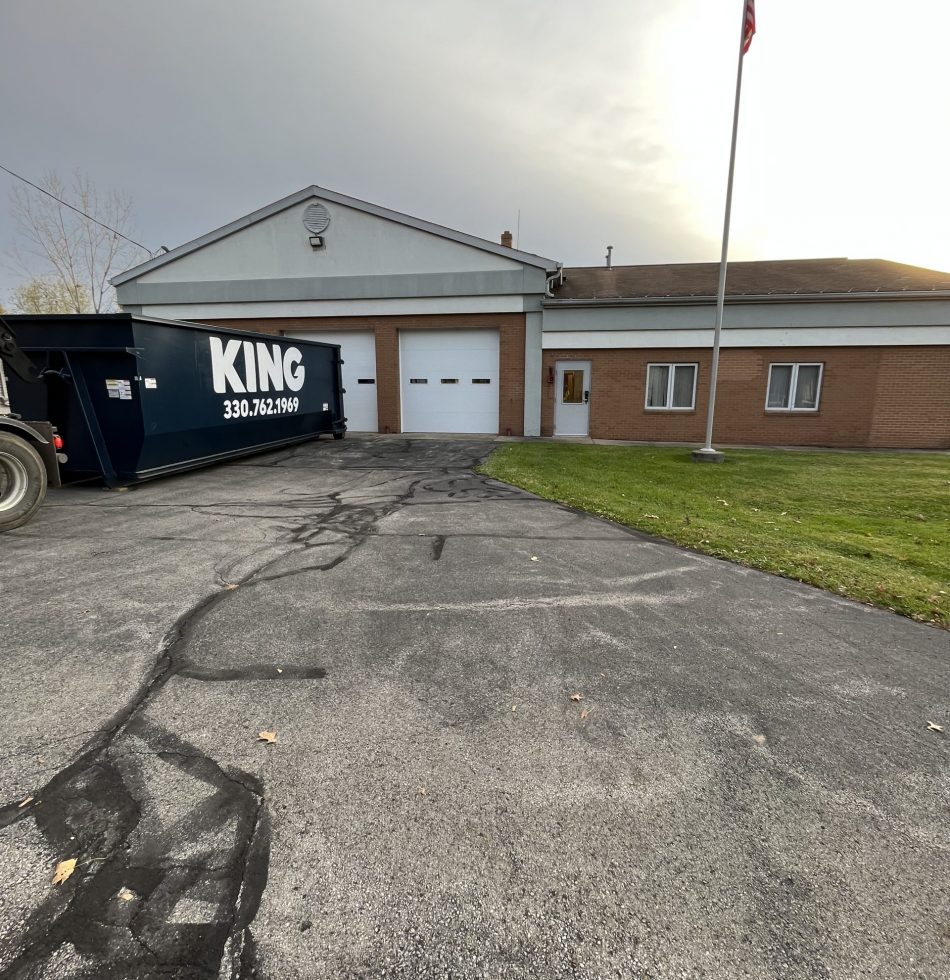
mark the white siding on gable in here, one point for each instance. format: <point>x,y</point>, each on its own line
<point>357,244</point>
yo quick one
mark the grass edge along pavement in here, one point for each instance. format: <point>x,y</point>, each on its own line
<point>874,527</point>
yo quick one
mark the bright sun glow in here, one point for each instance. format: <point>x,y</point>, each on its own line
<point>844,142</point>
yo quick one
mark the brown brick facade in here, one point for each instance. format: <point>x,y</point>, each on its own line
<point>510,326</point>
<point>873,397</point>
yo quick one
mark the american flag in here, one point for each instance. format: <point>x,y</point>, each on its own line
<point>749,25</point>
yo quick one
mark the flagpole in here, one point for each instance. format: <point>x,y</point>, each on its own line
<point>707,453</point>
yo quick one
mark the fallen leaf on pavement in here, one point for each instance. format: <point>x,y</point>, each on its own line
<point>23,803</point>
<point>584,713</point>
<point>931,727</point>
<point>535,558</point>
<point>63,870</point>
<point>127,895</point>
<point>576,697</point>
<point>269,737</point>
<point>230,585</point>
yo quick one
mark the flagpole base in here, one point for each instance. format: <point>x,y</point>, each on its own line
<point>708,455</point>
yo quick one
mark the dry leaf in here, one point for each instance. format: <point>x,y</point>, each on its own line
<point>63,870</point>
<point>758,739</point>
<point>931,727</point>
<point>652,517</point>
<point>725,503</point>
<point>584,714</point>
<point>127,895</point>
<point>514,707</point>
<point>23,803</point>
<point>230,585</point>
<point>280,670</point>
<point>535,558</point>
<point>575,697</point>
<point>269,737</point>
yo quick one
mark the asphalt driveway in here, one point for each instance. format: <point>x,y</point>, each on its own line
<point>747,786</point>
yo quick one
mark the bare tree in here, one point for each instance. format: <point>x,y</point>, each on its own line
<point>50,296</point>
<point>61,247</point>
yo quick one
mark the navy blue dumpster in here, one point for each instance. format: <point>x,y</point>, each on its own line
<point>135,397</point>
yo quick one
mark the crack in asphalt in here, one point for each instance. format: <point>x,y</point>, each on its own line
<point>94,808</point>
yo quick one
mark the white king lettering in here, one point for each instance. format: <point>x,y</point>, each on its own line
<point>264,367</point>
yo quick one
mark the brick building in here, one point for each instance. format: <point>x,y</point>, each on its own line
<point>445,332</point>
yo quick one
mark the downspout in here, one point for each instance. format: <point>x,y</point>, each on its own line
<point>559,275</point>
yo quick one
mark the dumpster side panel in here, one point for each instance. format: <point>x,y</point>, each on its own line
<point>137,398</point>
<point>207,394</point>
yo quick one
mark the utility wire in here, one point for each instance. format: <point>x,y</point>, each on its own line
<point>42,190</point>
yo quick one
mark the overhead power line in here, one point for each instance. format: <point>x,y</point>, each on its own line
<point>66,204</point>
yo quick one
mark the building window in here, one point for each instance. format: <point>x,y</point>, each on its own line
<point>794,387</point>
<point>671,386</point>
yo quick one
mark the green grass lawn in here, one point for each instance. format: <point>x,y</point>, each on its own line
<point>872,526</point>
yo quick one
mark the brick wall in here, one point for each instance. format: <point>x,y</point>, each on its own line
<point>896,397</point>
<point>510,326</point>
<point>912,398</point>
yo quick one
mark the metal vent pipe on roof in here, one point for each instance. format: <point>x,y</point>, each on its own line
<point>610,248</point>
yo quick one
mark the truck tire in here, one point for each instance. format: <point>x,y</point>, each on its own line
<point>339,435</point>
<point>22,481</point>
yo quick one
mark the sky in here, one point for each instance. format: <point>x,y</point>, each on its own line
<point>600,122</point>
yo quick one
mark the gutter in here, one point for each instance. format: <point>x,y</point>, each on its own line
<point>745,300</point>
<point>549,281</point>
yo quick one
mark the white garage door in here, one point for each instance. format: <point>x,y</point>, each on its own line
<point>449,380</point>
<point>358,350</point>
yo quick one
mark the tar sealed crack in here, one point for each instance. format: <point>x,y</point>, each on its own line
<point>188,918</point>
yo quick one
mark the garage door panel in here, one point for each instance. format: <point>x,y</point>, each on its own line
<point>449,380</point>
<point>358,350</point>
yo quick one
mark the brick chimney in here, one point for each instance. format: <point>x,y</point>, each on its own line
<point>506,239</point>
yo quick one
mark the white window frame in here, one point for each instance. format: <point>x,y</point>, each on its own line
<point>793,385</point>
<point>668,407</point>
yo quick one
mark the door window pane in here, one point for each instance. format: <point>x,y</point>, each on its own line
<point>683,375</point>
<point>806,387</point>
<point>658,378</point>
<point>780,383</point>
<point>572,392</point>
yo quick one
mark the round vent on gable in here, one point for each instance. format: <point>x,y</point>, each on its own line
<point>316,218</point>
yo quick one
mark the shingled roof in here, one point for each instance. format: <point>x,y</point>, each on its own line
<point>787,277</point>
